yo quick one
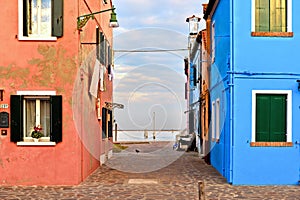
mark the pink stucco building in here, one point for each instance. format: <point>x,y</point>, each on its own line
<point>49,77</point>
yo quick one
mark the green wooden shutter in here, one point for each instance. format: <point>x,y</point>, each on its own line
<point>195,75</point>
<point>110,124</point>
<point>262,118</point>
<point>16,111</point>
<point>26,17</point>
<point>98,43</point>
<point>57,17</point>
<point>56,119</point>
<point>105,52</point>
<point>102,48</point>
<point>191,122</point>
<point>104,120</point>
<point>278,118</point>
<point>262,15</point>
<point>109,51</point>
<point>278,15</point>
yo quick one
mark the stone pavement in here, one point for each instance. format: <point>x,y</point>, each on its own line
<point>178,180</point>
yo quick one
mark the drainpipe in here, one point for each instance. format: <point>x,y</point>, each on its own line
<point>231,91</point>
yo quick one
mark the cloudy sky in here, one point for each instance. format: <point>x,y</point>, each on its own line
<point>149,82</point>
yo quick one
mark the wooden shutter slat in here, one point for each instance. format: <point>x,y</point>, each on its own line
<point>56,118</point>
<point>16,111</point>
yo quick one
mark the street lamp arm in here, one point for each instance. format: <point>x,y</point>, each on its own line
<point>92,14</point>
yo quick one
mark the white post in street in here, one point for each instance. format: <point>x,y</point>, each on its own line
<point>154,134</point>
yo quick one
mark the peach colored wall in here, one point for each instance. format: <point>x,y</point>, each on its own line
<point>51,65</point>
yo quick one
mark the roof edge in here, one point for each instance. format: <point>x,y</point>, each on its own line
<point>209,8</point>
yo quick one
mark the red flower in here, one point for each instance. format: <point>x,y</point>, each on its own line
<point>37,128</point>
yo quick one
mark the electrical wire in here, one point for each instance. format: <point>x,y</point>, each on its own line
<point>148,51</point>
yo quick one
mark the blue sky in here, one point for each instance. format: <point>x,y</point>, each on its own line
<point>152,82</point>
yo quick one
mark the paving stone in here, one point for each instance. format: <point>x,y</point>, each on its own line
<point>178,180</point>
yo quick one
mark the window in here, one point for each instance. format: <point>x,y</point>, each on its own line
<point>28,111</point>
<point>40,19</point>
<point>103,49</point>
<point>215,121</point>
<point>271,117</point>
<point>271,18</point>
<point>107,123</point>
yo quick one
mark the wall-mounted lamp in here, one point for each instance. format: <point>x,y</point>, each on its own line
<point>1,94</point>
<point>83,19</point>
<point>298,81</point>
<point>111,106</point>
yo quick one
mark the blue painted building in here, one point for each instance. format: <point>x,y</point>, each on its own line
<point>254,90</point>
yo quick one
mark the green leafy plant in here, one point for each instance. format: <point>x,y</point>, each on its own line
<point>36,133</point>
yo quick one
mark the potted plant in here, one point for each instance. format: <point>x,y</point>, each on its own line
<point>36,133</point>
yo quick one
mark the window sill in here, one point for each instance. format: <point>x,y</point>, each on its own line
<point>36,143</point>
<point>272,34</point>
<point>271,144</point>
<point>22,38</point>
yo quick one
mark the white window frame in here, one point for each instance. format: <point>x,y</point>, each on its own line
<point>213,121</point>
<point>20,27</point>
<point>27,140</point>
<point>289,111</point>
<point>289,16</point>
<point>217,119</point>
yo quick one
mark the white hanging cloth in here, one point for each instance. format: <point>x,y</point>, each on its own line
<point>102,72</point>
<point>95,79</point>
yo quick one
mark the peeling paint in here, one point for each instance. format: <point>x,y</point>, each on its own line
<point>54,69</point>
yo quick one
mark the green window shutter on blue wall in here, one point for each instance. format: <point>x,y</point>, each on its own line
<point>271,118</point>
<point>262,118</point>
<point>278,118</point>
<point>262,15</point>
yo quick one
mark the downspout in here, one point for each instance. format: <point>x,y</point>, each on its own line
<point>81,96</point>
<point>231,91</point>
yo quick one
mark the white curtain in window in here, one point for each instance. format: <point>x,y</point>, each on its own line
<point>30,117</point>
<point>45,117</point>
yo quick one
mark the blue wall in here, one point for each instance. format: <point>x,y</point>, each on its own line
<point>258,56</point>
<point>258,63</point>
<point>219,86</point>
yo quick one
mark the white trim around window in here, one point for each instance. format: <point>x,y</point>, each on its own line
<point>217,119</point>
<point>289,16</point>
<point>213,121</point>
<point>289,111</point>
<point>20,27</point>
<point>36,92</point>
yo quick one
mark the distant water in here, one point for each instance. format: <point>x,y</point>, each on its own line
<point>129,135</point>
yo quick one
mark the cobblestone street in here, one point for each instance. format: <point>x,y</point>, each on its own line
<point>179,180</point>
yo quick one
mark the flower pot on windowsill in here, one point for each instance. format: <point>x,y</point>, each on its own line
<point>36,139</point>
